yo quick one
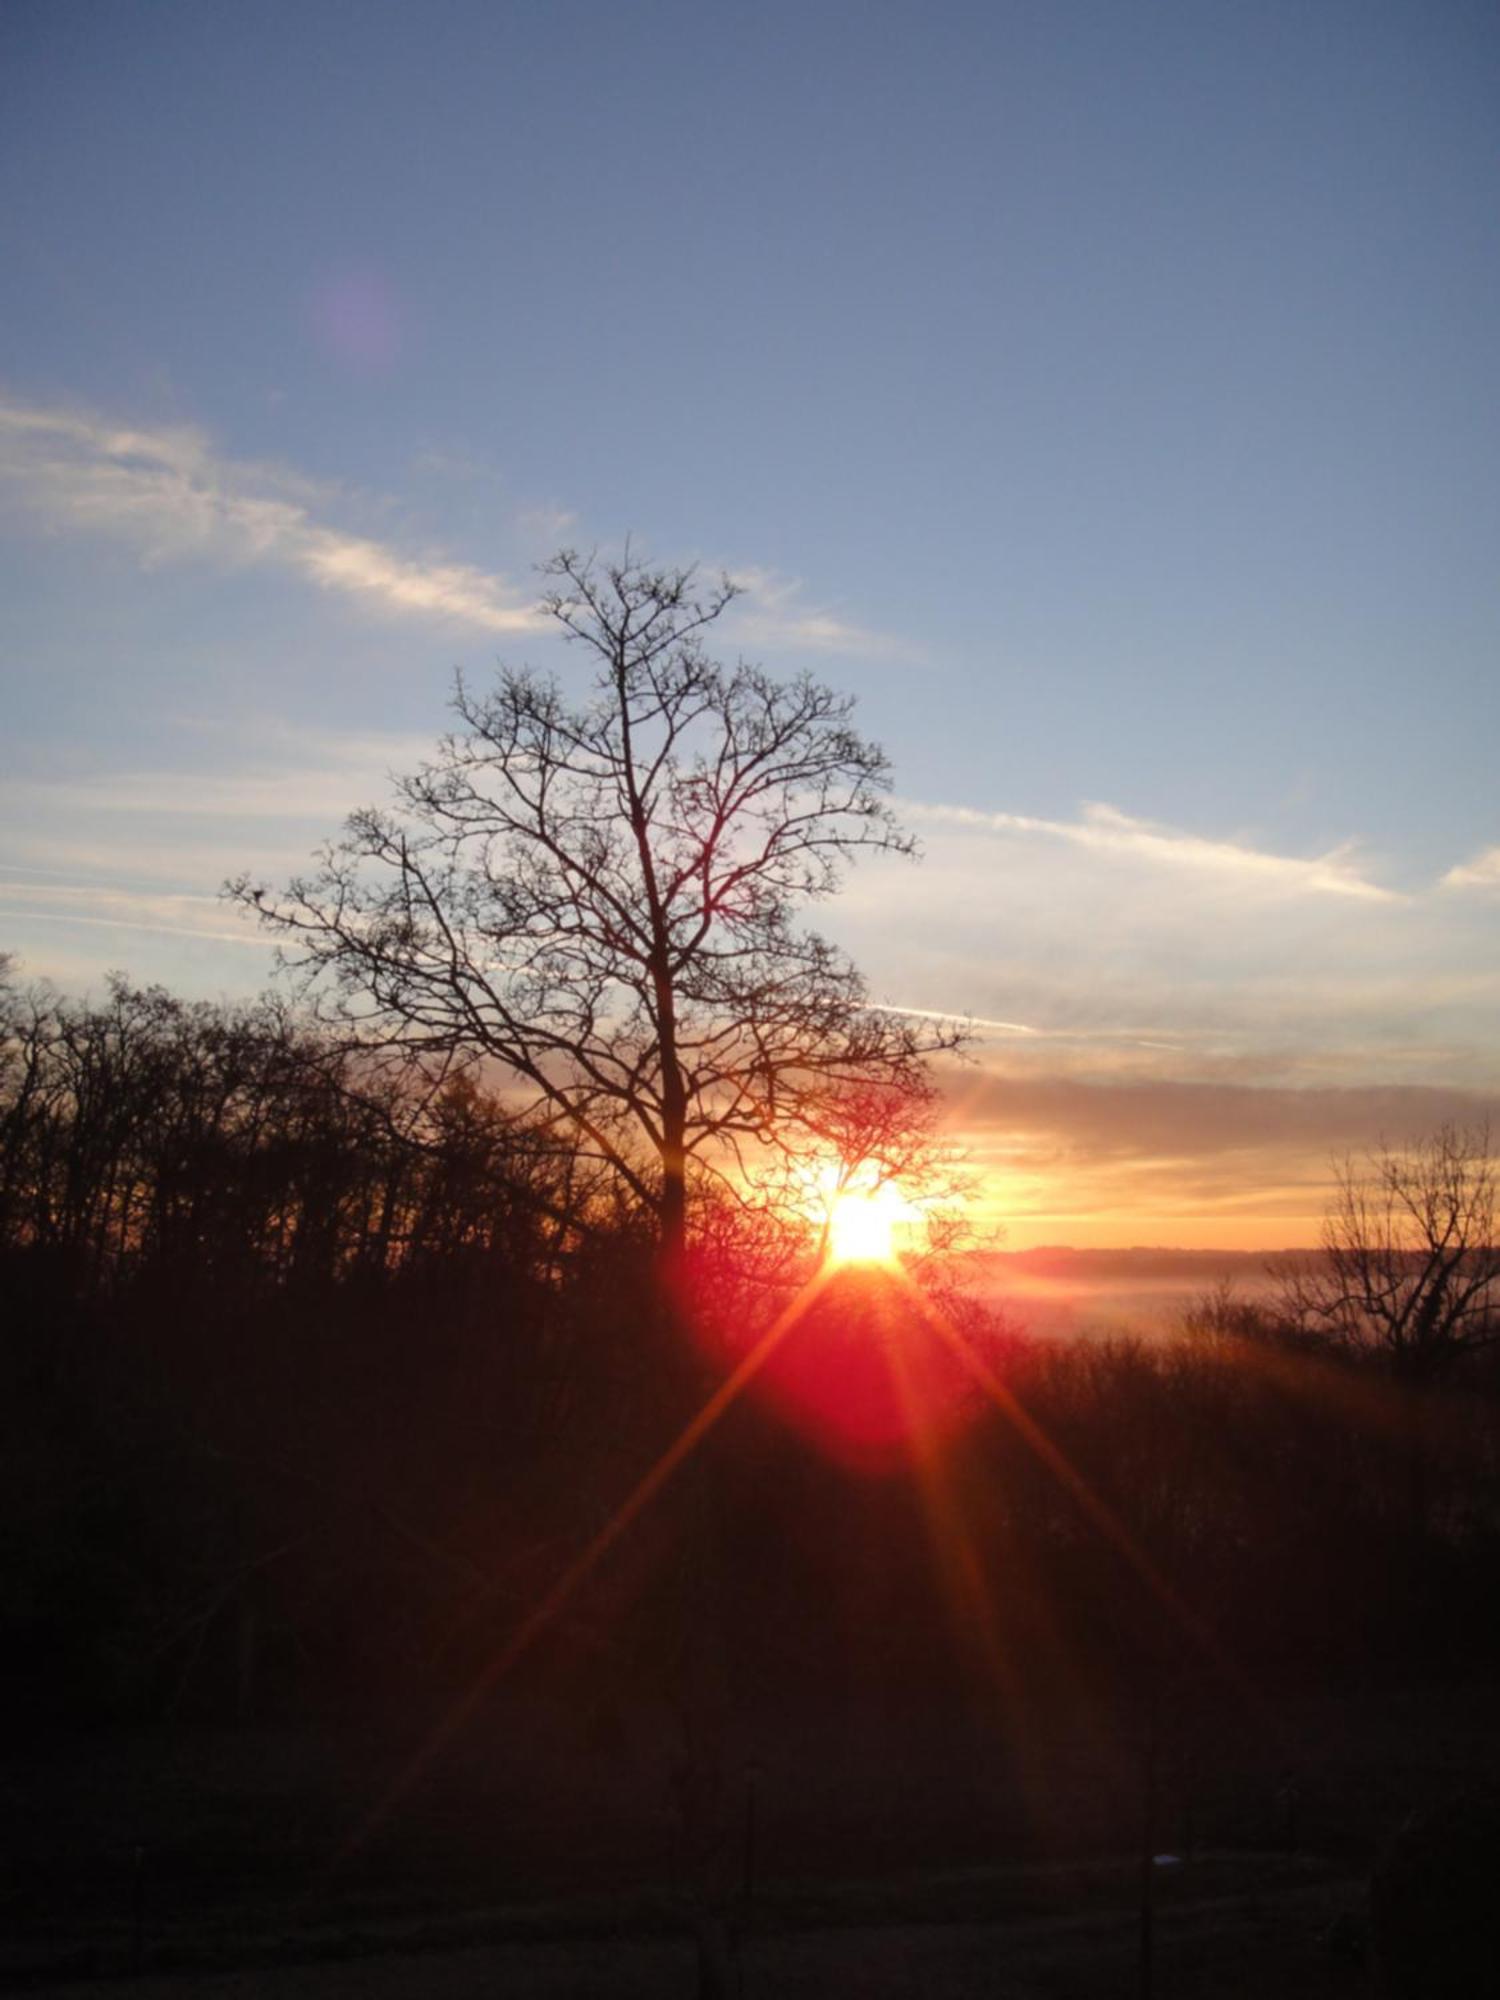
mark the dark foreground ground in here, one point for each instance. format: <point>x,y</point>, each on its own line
<point>877,1858</point>
<point>1240,1929</point>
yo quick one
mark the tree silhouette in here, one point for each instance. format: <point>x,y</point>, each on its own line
<point>1410,1273</point>
<point>1410,1265</point>
<point>602,897</point>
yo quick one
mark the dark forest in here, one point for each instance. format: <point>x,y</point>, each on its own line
<point>318,1377</point>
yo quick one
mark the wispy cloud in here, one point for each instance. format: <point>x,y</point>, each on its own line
<point>958,1020</point>
<point>100,905</point>
<point>774,610</point>
<point>984,1026</point>
<point>1483,872</point>
<point>547,526</point>
<point>282,774</point>
<point>1107,831</point>
<point>144,850</point>
<point>168,494</point>
<point>1169,1118</point>
<point>1136,947</point>
<point>1142,1160</point>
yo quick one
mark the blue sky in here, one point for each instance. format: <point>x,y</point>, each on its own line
<point>1106,394</point>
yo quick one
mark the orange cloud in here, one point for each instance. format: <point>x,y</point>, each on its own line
<point>1197,1164</point>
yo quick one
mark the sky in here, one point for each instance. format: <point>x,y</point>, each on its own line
<point>1105,395</point>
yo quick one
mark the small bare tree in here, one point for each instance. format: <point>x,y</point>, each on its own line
<point>601,896</point>
<point>1410,1271</point>
<point>1410,1264</point>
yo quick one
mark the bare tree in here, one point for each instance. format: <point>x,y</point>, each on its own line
<point>1410,1264</point>
<point>602,896</point>
<point>1410,1271</point>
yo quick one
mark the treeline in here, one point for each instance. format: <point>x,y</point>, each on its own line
<point>316,1376</point>
<point>236,1142</point>
<point>293,1343</point>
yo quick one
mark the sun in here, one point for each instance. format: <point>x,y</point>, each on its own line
<point>862,1225</point>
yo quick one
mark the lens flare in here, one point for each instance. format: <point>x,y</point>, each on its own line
<point>862,1225</point>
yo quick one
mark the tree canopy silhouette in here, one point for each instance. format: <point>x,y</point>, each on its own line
<point>1411,1263</point>
<point>602,896</point>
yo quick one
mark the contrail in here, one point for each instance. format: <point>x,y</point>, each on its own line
<point>1129,1035</point>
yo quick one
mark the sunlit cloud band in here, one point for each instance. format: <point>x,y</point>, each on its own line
<point>168,494</point>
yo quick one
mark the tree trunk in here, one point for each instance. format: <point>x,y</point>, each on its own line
<point>673,1210</point>
<point>702,1697</point>
<point>673,1216</point>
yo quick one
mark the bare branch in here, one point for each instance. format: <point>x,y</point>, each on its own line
<point>602,895</point>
